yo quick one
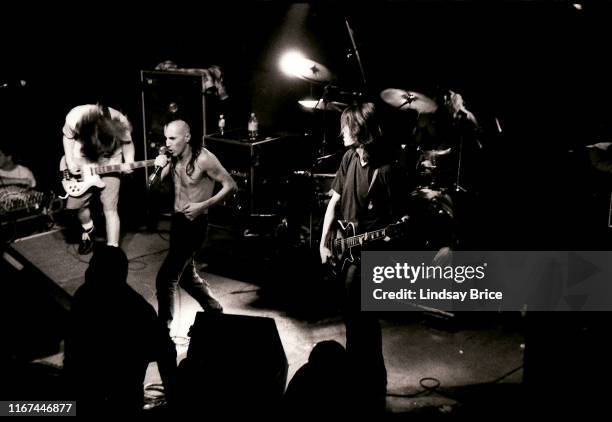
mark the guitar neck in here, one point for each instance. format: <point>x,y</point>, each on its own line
<point>115,168</point>
<point>360,239</point>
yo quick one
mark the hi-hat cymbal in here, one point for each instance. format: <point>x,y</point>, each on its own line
<point>322,105</point>
<point>312,71</point>
<point>408,100</point>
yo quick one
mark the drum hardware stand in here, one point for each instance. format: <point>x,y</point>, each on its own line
<point>458,187</point>
<point>354,45</point>
<point>323,150</point>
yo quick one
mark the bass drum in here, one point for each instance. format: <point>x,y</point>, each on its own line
<point>436,169</point>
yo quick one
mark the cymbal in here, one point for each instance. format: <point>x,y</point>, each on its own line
<point>437,152</point>
<point>323,105</point>
<point>408,100</point>
<point>312,71</point>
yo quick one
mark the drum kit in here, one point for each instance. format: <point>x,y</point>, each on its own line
<point>316,73</point>
<point>431,160</point>
<point>435,167</point>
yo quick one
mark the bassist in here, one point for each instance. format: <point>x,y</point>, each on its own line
<point>95,133</point>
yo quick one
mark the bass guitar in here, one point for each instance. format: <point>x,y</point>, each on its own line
<point>77,185</point>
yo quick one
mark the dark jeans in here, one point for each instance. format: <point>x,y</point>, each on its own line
<point>364,346</point>
<point>186,237</point>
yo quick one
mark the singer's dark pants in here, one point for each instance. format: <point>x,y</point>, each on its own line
<point>186,237</point>
<point>364,347</point>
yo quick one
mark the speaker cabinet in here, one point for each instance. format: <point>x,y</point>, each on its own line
<point>261,167</point>
<point>166,93</point>
<point>235,364</point>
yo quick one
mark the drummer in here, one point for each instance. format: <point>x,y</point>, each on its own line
<point>439,129</point>
<point>441,124</point>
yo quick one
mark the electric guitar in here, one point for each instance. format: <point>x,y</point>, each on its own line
<point>77,185</point>
<point>343,240</point>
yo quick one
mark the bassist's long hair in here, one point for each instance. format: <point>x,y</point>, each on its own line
<point>100,134</point>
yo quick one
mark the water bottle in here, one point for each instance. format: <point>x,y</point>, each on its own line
<point>253,127</point>
<point>221,125</point>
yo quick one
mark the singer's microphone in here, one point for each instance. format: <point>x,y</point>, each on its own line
<point>158,169</point>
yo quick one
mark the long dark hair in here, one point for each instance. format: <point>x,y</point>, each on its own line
<point>100,134</point>
<point>196,148</point>
<point>364,125</point>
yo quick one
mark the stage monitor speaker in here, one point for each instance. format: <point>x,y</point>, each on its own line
<point>33,310</point>
<point>234,364</point>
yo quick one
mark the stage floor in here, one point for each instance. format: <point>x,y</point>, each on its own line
<point>482,351</point>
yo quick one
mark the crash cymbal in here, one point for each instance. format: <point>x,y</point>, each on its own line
<point>312,71</point>
<point>408,100</point>
<point>322,105</point>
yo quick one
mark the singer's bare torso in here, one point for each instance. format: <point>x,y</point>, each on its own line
<point>197,187</point>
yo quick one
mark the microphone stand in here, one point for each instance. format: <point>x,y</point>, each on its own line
<point>323,150</point>
<point>461,126</point>
<point>352,37</point>
<point>458,187</point>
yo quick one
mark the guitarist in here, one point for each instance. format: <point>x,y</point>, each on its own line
<point>95,133</point>
<point>368,191</point>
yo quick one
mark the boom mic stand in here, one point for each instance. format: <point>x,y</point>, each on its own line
<point>354,44</point>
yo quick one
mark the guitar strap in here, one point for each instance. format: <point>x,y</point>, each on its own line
<point>373,180</point>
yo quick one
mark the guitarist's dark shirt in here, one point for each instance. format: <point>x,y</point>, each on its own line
<point>383,205</point>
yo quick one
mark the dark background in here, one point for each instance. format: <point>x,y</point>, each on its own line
<point>541,68</point>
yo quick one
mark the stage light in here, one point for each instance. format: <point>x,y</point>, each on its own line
<point>292,63</point>
<point>577,6</point>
